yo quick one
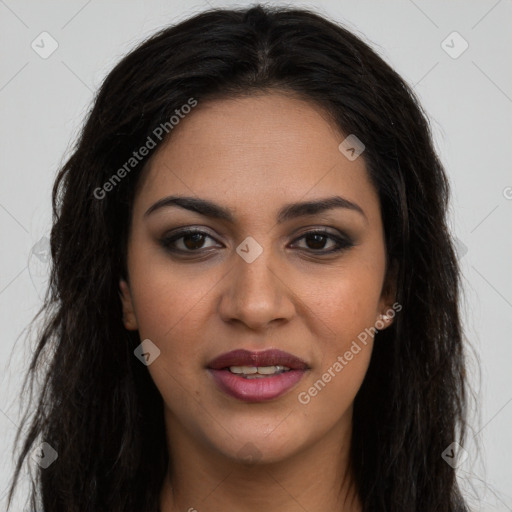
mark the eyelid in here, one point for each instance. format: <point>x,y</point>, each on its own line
<point>342,240</point>
<point>339,237</point>
<point>179,233</point>
<point>304,230</point>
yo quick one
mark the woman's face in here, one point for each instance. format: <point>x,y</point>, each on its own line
<point>254,279</point>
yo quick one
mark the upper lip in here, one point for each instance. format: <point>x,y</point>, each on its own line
<point>242,357</point>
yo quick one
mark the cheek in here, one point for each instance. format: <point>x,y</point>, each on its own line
<point>344,348</point>
<point>347,303</point>
<point>345,313</point>
<point>172,307</point>
<point>171,311</point>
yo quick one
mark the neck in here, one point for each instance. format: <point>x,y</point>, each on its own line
<point>318,477</point>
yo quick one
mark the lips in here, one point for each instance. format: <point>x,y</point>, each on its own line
<point>264,387</point>
<point>266,358</point>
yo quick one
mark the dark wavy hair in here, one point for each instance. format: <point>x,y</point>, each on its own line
<point>98,406</point>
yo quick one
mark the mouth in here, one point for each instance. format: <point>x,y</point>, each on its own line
<point>257,376</point>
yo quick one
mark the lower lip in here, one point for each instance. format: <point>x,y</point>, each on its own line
<point>259,389</point>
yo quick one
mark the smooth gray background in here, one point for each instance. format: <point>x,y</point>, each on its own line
<point>468,99</point>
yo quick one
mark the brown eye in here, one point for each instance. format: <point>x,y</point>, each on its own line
<point>317,240</point>
<point>193,240</point>
<point>186,241</point>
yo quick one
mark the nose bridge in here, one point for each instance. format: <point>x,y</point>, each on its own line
<point>256,293</point>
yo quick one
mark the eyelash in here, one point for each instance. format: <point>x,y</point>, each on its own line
<point>343,243</point>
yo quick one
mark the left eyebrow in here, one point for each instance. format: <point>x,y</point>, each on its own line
<point>287,212</point>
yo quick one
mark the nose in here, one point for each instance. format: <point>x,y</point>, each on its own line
<point>256,294</point>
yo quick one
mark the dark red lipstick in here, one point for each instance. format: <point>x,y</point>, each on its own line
<point>256,376</point>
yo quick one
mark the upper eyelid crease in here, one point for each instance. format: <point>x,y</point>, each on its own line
<point>288,212</point>
<point>342,239</point>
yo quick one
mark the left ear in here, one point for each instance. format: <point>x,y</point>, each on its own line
<point>129,318</point>
<point>388,295</point>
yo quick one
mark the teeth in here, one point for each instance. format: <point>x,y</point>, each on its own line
<point>246,370</point>
<point>252,372</point>
<point>269,370</point>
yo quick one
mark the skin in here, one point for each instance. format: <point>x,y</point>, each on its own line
<point>253,155</point>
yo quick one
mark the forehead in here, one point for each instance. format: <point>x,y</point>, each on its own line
<point>256,152</point>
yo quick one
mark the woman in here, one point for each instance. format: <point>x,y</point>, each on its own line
<point>254,293</point>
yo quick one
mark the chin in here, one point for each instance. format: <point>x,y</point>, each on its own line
<point>256,444</point>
